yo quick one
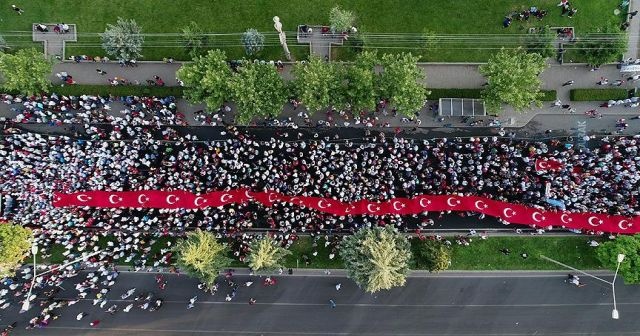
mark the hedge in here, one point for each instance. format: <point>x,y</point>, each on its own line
<point>118,90</point>
<point>598,94</point>
<point>548,95</point>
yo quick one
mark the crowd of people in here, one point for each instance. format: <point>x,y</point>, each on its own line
<point>598,178</point>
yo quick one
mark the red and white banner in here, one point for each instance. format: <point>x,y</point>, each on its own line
<point>548,164</point>
<point>512,213</point>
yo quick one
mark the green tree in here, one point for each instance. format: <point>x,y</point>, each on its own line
<point>400,82</point>
<point>605,45</point>
<point>341,20</point>
<point>201,256</point>
<point>376,258</point>
<point>541,42</point>
<point>266,255</point>
<point>27,71</point>
<point>433,255</point>
<point>361,83</point>
<point>429,42</point>
<point>194,39</point>
<point>319,84</point>
<point>253,41</point>
<point>123,41</point>
<point>15,242</point>
<point>206,79</point>
<point>258,91</point>
<point>512,77</point>
<point>629,246</point>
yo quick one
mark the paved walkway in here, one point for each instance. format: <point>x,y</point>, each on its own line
<point>633,30</point>
<point>320,41</point>
<point>54,42</point>
<point>438,76</point>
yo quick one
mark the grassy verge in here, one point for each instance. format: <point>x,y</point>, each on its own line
<point>479,255</point>
<point>120,90</point>
<point>222,17</point>
<point>598,94</point>
<point>486,255</point>
<point>547,95</point>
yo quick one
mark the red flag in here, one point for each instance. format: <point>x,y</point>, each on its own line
<point>548,164</point>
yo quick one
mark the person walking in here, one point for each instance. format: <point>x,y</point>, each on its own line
<point>338,285</point>
<point>332,303</point>
<point>567,83</point>
<point>17,9</point>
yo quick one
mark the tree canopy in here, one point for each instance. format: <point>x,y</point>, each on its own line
<point>605,45</point>
<point>201,256</point>
<point>194,39</point>
<point>341,20</point>
<point>266,255</point>
<point>206,79</point>
<point>512,78</point>
<point>253,41</point>
<point>27,71</point>
<point>376,258</point>
<point>400,82</point>
<point>629,246</point>
<point>123,41</point>
<point>258,91</point>
<point>541,42</point>
<point>361,89</point>
<point>15,242</point>
<point>319,84</point>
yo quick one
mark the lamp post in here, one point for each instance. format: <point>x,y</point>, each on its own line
<point>25,304</point>
<point>282,36</point>
<point>34,250</point>
<point>614,313</point>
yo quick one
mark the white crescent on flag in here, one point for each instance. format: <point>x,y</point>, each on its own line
<point>197,200</point>
<point>320,202</point>
<point>369,208</point>
<point>624,224</point>
<point>225,197</point>
<point>591,220</point>
<point>424,205</point>
<point>142,198</point>
<point>83,197</point>
<point>535,215</point>
<point>506,211</point>
<point>113,199</point>
<point>174,197</point>
<point>481,205</point>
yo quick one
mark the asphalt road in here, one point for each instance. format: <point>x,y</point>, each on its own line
<point>445,304</point>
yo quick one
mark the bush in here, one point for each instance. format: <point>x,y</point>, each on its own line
<point>599,94</point>
<point>120,90</point>
<point>432,255</point>
<point>547,95</point>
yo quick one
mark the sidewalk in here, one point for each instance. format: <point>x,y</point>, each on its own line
<point>313,272</point>
<point>437,76</point>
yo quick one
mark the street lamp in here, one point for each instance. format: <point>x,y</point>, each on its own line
<point>282,36</point>
<point>25,304</point>
<point>614,313</point>
<point>34,251</point>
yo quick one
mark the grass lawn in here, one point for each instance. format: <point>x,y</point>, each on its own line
<point>374,16</point>
<point>480,255</point>
<point>485,254</point>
